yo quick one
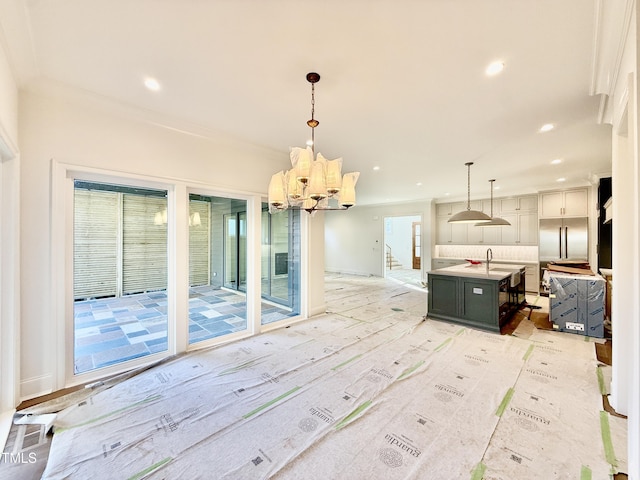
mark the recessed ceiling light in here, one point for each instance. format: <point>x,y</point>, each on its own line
<point>497,187</point>
<point>556,161</point>
<point>310,143</point>
<point>376,168</point>
<point>547,127</point>
<point>152,84</point>
<point>419,184</point>
<point>447,194</point>
<point>561,179</point>
<point>494,68</point>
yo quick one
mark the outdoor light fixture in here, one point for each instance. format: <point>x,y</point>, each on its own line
<point>495,221</point>
<point>468,215</point>
<point>312,184</point>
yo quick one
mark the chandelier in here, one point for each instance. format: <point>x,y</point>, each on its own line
<point>312,183</point>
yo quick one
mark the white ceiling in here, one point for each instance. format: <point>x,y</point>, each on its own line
<point>403,84</point>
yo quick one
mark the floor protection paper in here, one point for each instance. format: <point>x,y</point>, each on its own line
<point>371,390</point>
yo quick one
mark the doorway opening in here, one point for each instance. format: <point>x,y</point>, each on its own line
<point>403,249</point>
<point>217,267</point>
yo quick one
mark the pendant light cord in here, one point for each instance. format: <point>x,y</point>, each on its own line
<point>469,187</point>
<point>491,181</point>
<point>468,164</point>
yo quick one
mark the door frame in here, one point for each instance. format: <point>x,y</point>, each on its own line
<point>9,282</point>
<point>62,243</point>
<point>409,253</point>
<point>416,260</point>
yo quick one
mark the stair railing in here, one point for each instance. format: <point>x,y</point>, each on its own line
<point>389,256</point>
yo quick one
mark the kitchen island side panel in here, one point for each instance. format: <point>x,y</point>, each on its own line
<point>464,301</point>
<point>446,302</point>
<point>480,301</point>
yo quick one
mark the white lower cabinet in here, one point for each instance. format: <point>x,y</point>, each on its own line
<point>437,263</point>
<point>532,278</point>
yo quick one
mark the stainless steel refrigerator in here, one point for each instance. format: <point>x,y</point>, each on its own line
<point>563,239</point>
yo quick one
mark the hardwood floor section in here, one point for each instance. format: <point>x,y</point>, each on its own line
<point>45,398</point>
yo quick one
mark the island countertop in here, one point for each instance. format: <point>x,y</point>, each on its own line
<point>496,272</point>
<point>476,297</point>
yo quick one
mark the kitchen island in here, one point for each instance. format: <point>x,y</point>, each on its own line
<point>476,296</point>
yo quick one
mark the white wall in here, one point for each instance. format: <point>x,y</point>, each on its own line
<point>8,99</point>
<point>314,256</point>
<point>622,111</point>
<point>9,246</point>
<point>354,240</point>
<point>89,133</point>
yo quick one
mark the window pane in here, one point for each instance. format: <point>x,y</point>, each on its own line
<point>280,265</point>
<point>120,274</point>
<point>217,267</point>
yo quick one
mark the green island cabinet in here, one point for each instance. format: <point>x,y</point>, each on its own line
<point>473,297</point>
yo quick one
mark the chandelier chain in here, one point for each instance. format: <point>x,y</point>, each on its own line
<point>313,111</point>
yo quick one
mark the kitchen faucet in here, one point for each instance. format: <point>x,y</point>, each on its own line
<point>489,258</point>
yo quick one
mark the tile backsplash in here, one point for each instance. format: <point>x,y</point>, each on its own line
<point>500,252</point>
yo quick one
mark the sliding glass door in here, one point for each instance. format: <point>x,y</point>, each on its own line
<point>121,271</point>
<point>119,274</point>
<point>280,264</point>
<point>217,267</point>
<point>235,241</point>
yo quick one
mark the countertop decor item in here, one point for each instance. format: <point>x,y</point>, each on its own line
<point>468,215</point>
<point>312,184</point>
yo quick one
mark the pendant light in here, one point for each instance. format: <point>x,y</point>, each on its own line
<point>495,221</point>
<point>468,215</point>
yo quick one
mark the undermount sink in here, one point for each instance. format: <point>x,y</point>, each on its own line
<point>502,269</point>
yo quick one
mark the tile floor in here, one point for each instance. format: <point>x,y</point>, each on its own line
<point>114,330</point>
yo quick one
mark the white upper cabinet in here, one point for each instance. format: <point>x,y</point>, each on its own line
<point>450,233</point>
<point>521,212</point>
<point>527,228</point>
<point>508,204</point>
<point>448,209</point>
<point>518,204</point>
<point>528,203</point>
<point>566,203</point>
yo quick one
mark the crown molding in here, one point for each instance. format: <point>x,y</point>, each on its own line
<point>612,23</point>
<point>16,38</point>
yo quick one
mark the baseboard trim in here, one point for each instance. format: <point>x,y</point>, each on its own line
<point>36,387</point>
